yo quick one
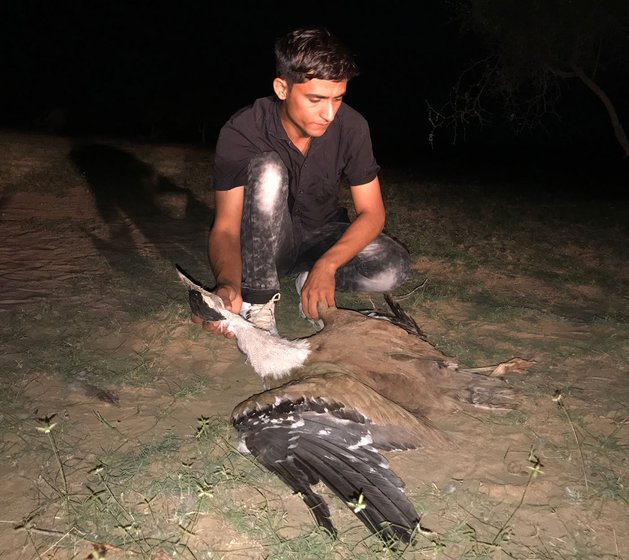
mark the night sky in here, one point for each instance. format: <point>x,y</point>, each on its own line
<point>157,71</point>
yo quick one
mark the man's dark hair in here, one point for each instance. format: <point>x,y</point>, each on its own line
<point>313,52</point>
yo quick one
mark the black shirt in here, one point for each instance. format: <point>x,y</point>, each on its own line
<point>342,153</point>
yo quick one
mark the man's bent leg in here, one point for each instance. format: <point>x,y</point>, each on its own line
<point>266,231</point>
<point>383,265</point>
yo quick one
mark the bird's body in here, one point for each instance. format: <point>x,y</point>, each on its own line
<point>338,398</point>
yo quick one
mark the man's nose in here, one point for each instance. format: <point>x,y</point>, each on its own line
<point>327,112</point>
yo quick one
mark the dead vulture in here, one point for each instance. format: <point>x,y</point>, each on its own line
<point>333,401</point>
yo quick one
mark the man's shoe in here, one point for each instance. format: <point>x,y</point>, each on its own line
<point>262,315</point>
<point>299,284</point>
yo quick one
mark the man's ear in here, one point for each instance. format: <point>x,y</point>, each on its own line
<point>280,86</point>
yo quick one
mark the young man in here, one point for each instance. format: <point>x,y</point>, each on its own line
<point>279,167</point>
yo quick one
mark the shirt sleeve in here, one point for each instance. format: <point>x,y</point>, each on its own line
<point>361,166</point>
<point>231,160</point>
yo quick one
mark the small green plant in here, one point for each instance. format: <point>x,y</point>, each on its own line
<point>559,399</point>
<point>47,428</point>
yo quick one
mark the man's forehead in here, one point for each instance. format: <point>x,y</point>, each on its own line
<point>322,88</point>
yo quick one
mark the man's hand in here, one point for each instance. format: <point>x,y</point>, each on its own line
<point>319,287</point>
<point>370,215</point>
<point>232,301</point>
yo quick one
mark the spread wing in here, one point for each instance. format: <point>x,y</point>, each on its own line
<point>305,436</point>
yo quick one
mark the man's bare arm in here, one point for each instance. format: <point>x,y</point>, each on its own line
<point>224,251</point>
<point>224,243</point>
<point>369,222</point>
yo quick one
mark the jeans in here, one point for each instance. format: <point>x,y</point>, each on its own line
<point>274,245</point>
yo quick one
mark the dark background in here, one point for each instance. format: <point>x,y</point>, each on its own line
<point>174,72</point>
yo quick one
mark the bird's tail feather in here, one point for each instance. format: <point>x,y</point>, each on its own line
<point>402,318</point>
<point>397,317</point>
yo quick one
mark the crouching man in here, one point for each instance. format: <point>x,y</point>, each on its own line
<point>279,167</point>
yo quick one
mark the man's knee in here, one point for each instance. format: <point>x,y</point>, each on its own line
<point>268,181</point>
<point>389,267</point>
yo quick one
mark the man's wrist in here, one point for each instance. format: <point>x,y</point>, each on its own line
<point>327,265</point>
<point>228,284</point>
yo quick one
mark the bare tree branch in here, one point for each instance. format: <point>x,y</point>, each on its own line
<point>619,131</point>
<point>532,48</point>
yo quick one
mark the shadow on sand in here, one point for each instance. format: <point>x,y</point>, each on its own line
<point>145,214</point>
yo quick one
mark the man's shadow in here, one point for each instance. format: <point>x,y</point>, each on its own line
<point>145,214</point>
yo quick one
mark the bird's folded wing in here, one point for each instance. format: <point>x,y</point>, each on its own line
<point>392,427</point>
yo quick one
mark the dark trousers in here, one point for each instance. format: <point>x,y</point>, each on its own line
<point>272,245</point>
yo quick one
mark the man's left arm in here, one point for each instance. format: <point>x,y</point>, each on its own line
<point>369,222</point>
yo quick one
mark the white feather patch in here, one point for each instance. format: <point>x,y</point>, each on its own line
<point>364,441</point>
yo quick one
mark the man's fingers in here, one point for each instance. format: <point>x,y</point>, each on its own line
<point>231,298</point>
<point>311,308</point>
<point>218,328</point>
<point>309,304</point>
<point>214,327</point>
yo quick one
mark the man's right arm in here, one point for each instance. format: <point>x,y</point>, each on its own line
<point>224,250</point>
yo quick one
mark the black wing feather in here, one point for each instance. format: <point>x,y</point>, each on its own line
<point>270,445</point>
<point>398,317</point>
<point>198,305</point>
<point>200,308</point>
<point>304,443</point>
<point>350,473</point>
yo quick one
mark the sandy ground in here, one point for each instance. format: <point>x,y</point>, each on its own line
<point>67,253</point>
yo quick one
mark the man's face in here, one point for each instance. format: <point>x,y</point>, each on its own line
<point>310,107</point>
